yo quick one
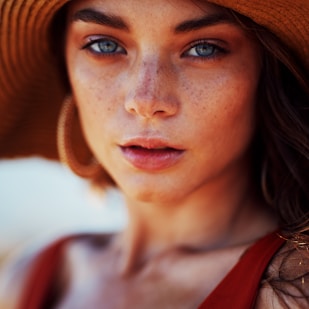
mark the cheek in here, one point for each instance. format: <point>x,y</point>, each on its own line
<point>96,90</point>
<point>95,98</point>
<point>221,109</point>
<point>88,84</point>
<point>219,96</point>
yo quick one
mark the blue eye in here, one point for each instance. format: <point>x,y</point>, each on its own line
<point>204,50</point>
<point>104,47</point>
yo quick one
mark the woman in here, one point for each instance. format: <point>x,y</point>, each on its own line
<point>198,113</point>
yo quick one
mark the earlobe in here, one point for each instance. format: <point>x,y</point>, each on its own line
<point>69,136</point>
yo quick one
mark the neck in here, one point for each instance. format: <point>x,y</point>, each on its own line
<point>205,220</point>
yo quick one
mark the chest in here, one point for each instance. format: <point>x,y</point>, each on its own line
<point>119,295</point>
<point>171,283</point>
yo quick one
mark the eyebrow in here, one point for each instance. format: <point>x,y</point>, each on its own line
<point>205,21</point>
<point>93,16</point>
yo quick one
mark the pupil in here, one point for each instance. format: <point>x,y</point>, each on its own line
<point>204,50</point>
<point>108,46</point>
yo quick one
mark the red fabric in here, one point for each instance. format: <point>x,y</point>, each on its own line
<point>237,290</point>
<point>41,276</point>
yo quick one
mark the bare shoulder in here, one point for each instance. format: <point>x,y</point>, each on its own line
<point>87,254</point>
<point>90,243</point>
<point>15,274</point>
<point>13,277</point>
<point>286,281</point>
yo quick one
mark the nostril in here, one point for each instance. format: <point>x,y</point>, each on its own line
<point>160,112</point>
<point>149,104</point>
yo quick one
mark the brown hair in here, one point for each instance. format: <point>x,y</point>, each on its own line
<point>283,129</point>
<point>281,155</point>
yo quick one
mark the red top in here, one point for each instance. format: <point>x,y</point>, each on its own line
<point>238,289</point>
<point>240,286</point>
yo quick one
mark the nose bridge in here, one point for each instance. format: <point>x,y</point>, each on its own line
<point>149,74</point>
<point>149,88</point>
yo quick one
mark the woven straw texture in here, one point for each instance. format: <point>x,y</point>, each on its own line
<point>288,19</point>
<point>31,91</point>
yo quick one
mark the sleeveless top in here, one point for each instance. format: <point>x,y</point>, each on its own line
<point>238,289</point>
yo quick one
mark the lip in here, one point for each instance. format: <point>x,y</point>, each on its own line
<point>151,154</point>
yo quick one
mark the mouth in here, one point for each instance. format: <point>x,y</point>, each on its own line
<point>154,149</point>
<point>151,155</point>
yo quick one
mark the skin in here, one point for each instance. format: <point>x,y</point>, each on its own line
<point>194,90</point>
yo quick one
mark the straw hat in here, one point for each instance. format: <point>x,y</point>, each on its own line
<point>31,91</point>
<point>287,19</point>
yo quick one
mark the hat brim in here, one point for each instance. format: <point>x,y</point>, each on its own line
<point>31,90</point>
<point>31,87</point>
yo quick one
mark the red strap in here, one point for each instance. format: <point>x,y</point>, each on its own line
<point>41,276</point>
<point>239,288</point>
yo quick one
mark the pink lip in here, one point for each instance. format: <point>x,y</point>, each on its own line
<point>151,154</point>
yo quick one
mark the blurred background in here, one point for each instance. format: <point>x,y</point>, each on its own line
<point>41,200</point>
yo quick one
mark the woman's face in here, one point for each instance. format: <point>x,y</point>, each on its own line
<point>166,92</point>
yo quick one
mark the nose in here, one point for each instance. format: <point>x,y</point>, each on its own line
<point>151,91</point>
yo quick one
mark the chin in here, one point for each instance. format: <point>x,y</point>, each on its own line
<point>149,193</point>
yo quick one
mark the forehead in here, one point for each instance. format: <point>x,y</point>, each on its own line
<point>148,3</point>
<point>167,10</point>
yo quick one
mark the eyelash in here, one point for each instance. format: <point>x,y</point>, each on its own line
<point>215,51</point>
<point>93,46</point>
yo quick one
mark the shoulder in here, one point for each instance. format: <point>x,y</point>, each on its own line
<point>83,257</point>
<point>85,246</point>
<point>15,275</point>
<point>286,281</point>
